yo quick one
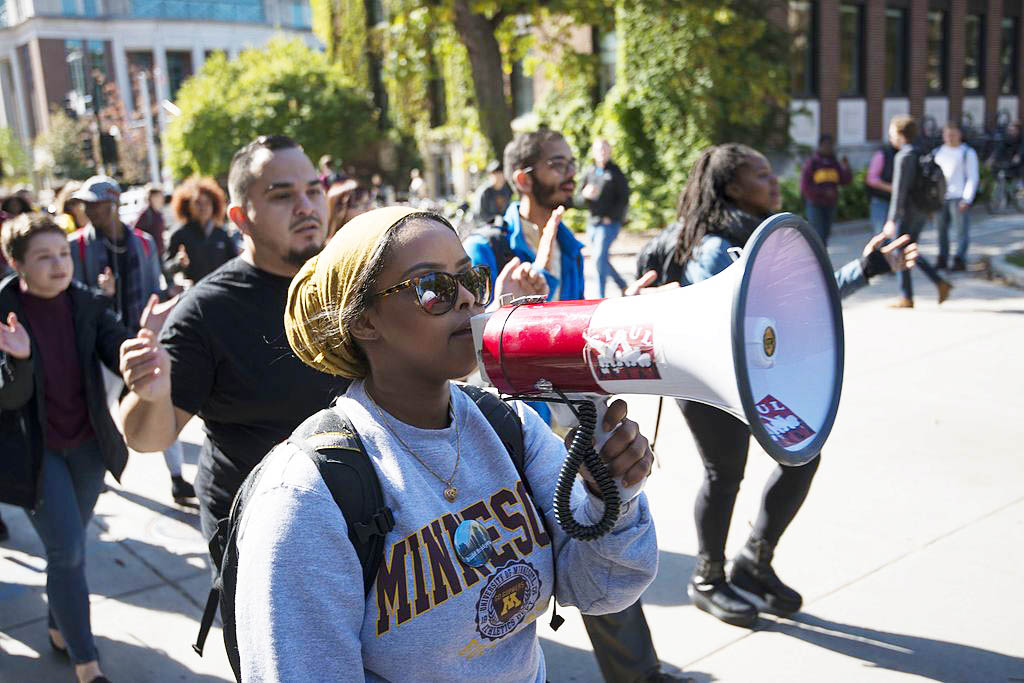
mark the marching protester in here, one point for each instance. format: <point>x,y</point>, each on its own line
<point>404,290</point>
<point>227,358</point>
<point>151,220</point>
<point>58,437</point>
<point>606,195</point>
<point>905,217</point>
<point>820,180</point>
<point>199,245</point>
<point>730,191</point>
<point>492,198</point>
<point>879,185</point>
<point>959,164</point>
<point>123,264</point>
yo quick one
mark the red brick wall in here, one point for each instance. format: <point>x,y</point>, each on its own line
<point>918,57</point>
<point>56,74</point>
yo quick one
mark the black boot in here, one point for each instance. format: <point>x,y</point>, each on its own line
<point>710,592</point>
<point>181,490</point>
<point>752,571</point>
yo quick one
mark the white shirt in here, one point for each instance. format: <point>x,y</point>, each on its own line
<point>960,166</point>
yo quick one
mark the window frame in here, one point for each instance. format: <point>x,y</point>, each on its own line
<point>859,90</point>
<point>810,87</point>
<point>903,89</point>
<point>943,88</point>
<point>1014,65</point>
<point>980,88</point>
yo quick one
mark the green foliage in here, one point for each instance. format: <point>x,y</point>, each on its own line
<point>284,88</point>
<point>59,149</point>
<point>13,160</point>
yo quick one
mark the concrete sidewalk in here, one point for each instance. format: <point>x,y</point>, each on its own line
<point>908,550</point>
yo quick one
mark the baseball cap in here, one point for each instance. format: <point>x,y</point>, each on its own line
<point>99,188</point>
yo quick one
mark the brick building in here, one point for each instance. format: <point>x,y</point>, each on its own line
<point>857,63</point>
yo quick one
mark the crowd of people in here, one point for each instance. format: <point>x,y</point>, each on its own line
<point>303,297</point>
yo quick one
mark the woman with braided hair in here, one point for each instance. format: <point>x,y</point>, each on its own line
<point>730,191</point>
<point>387,304</point>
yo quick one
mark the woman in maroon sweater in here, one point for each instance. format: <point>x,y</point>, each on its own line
<point>57,438</point>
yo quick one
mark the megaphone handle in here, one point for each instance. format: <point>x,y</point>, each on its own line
<point>601,438</point>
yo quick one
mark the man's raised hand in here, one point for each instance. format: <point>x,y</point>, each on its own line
<point>518,279</point>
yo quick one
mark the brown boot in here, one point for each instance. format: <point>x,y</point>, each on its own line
<point>944,289</point>
<point>902,303</point>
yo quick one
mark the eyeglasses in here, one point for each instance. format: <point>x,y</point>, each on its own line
<point>560,165</point>
<point>437,292</point>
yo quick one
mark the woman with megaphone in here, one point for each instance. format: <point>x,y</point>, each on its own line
<point>730,191</point>
<point>472,554</point>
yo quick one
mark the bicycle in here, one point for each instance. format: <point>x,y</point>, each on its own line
<point>1007,193</point>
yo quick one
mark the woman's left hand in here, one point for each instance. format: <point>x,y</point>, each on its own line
<point>627,452</point>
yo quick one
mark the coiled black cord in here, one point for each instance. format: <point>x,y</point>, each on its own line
<point>582,451</point>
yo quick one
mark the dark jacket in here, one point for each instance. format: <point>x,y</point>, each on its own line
<point>98,335</point>
<point>907,217</point>
<point>613,197</point>
<point>206,253</point>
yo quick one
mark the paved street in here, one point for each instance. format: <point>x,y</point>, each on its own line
<point>908,551</point>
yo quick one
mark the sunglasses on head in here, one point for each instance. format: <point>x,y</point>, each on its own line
<point>437,292</point>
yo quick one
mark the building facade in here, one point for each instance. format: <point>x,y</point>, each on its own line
<point>857,63</point>
<point>55,53</point>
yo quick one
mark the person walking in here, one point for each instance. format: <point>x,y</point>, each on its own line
<point>605,193</point>
<point>879,185</point>
<point>730,191</point>
<point>403,341</point>
<point>57,437</point>
<point>199,244</point>
<point>151,220</point>
<point>492,198</point>
<point>820,181</point>
<point>959,164</point>
<point>123,263</point>
<point>905,217</point>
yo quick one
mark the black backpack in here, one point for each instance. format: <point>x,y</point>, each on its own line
<point>331,442</point>
<point>496,236</point>
<point>928,191</point>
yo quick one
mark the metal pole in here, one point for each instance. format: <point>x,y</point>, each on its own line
<point>147,119</point>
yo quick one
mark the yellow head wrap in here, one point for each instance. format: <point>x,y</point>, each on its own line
<point>325,285</point>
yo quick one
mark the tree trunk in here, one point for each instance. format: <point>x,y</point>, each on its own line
<point>477,34</point>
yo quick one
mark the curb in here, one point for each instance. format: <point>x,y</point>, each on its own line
<point>1002,268</point>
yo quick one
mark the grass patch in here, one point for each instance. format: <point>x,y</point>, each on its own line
<point>1016,258</point>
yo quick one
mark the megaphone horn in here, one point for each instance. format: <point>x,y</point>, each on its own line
<point>762,340</point>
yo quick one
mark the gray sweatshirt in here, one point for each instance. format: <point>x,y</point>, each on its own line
<point>300,607</point>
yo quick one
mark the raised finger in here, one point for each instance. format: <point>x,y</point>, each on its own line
<point>616,413</point>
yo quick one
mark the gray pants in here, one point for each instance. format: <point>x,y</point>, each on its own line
<point>622,644</point>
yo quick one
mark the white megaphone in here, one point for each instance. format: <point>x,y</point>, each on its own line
<point>762,340</point>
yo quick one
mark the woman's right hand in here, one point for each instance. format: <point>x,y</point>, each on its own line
<point>146,366</point>
<point>107,283</point>
<point>14,340</point>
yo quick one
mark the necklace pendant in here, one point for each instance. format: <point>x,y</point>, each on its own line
<point>450,493</point>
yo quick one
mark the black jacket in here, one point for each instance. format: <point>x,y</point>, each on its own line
<point>205,253</point>
<point>659,255</point>
<point>613,198</point>
<point>98,335</point>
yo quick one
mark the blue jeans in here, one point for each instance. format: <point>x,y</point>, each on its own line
<point>71,482</point>
<point>601,237</point>
<point>906,286</point>
<point>961,223</point>
<point>820,218</point>
<point>879,211</point>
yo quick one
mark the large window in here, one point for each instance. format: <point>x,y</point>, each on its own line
<point>974,53</point>
<point>936,68</point>
<point>1008,56</point>
<point>803,35</point>
<point>851,52</point>
<point>87,64</point>
<point>224,10</point>
<point>179,68</point>
<point>896,52</point>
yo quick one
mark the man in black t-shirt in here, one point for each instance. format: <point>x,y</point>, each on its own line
<point>223,354</point>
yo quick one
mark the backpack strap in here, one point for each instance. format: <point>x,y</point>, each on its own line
<point>331,442</point>
<point>506,424</point>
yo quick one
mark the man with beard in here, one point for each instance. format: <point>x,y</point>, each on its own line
<point>542,168</point>
<point>223,354</point>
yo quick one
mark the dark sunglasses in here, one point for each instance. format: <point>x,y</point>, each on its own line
<point>437,292</point>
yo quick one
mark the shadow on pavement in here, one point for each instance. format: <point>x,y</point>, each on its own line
<point>669,587</point>
<point>938,660</point>
<point>188,514</point>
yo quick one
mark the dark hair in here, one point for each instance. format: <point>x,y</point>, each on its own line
<point>703,203</point>
<point>825,138</point>
<point>15,205</point>
<point>189,191</point>
<point>526,149</point>
<point>240,176</point>
<point>17,232</point>
<point>904,125</point>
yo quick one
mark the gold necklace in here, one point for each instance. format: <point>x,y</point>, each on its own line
<point>450,492</point>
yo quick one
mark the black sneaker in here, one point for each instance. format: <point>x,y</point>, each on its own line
<point>4,532</point>
<point>710,592</point>
<point>958,265</point>
<point>752,571</point>
<point>940,264</point>
<point>181,490</point>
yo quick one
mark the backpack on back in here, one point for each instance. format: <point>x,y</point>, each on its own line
<point>928,191</point>
<point>496,236</point>
<point>332,443</point>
